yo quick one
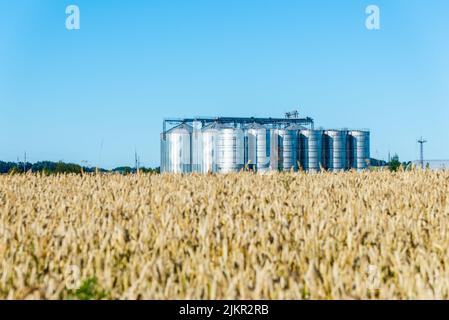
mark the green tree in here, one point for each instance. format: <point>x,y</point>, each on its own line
<point>394,163</point>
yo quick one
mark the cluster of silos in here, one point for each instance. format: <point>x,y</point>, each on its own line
<point>224,148</point>
<point>213,148</point>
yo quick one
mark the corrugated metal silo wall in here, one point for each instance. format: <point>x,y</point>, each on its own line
<point>163,153</point>
<point>230,150</point>
<point>197,151</point>
<point>335,150</point>
<point>209,150</point>
<point>257,148</point>
<point>359,149</point>
<point>311,149</point>
<point>178,145</point>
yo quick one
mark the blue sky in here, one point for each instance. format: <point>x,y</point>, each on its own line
<point>100,92</point>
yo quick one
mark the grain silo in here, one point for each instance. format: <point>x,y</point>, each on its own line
<point>310,146</point>
<point>359,149</point>
<point>163,153</point>
<point>334,150</point>
<point>209,135</point>
<point>283,149</point>
<point>197,147</point>
<point>230,147</point>
<point>178,149</point>
<point>257,147</point>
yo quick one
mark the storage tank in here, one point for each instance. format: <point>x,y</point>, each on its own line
<point>311,149</point>
<point>197,147</point>
<point>334,150</point>
<point>283,149</point>
<point>230,147</point>
<point>359,149</point>
<point>178,149</point>
<point>257,147</point>
<point>209,136</point>
<point>163,153</point>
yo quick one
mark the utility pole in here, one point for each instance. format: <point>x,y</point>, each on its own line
<point>138,163</point>
<point>421,151</point>
<point>25,162</point>
<point>136,160</point>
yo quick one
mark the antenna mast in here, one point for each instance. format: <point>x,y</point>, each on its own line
<point>136,161</point>
<point>292,114</point>
<point>421,151</point>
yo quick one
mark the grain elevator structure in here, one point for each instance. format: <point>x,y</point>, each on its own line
<point>232,144</point>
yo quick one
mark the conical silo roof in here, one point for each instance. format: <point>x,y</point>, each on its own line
<point>182,128</point>
<point>213,126</point>
<point>255,125</point>
<point>295,127</point>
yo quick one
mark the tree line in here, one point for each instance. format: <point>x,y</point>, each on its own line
<point>50,167</point>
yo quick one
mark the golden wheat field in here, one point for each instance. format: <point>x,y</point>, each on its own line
<point>371,235</point>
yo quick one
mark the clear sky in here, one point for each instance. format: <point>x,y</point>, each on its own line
<point>98,93</point>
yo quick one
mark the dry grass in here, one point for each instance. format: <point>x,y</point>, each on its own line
<point>243,236</point>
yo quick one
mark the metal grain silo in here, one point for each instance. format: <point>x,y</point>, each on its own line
<point>334,150</point>
<point>283,149</point>
<point>257,147</point>
<point>209,136</point>
<point>230,147</point>
<point>197,147</point>
<point>178,143</point>
<point>359,149</point>
<point>163,153</point>
<point>311,149</point>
